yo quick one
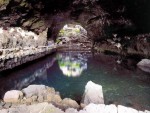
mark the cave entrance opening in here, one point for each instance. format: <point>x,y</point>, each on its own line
<point>71,34</point>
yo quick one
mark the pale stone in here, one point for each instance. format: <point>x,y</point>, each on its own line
<point>110,109</point>
<point>51,109</point>
<point>70,103</point>
<point>93,108</point>
<point>44,108</point>
<point>40,98</point>
<point>29,100</point>
<point>13,96</point>
<point>144,65</point>
<point>71,110</point>
<point>82,105</point>
<point>50,97</point>
<point>141,112</point>
<point>20,109</point>
<point>146,111</point>
<point>123,109</point>
<point>50,90</point>
<point>34,98</point>
<point>93,94</point>
<point>4,111</point>
<point>57,98</point>
<point>36,108</point>
<point>53,98</point>
<point>32,90</point>
<point>7,105</point>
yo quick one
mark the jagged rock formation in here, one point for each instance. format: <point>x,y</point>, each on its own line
<point>109,23</point>
<point>18,46</point>
<point>15,37</point>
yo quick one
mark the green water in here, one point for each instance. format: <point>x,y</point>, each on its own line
<point>69,72</point>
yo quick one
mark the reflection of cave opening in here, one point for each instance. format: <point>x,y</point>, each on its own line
<point>72,34</point>
<point>72,65</point>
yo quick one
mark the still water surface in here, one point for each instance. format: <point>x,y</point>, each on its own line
<point>69,72</point>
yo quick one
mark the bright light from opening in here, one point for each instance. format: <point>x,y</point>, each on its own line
<point>71,32</point>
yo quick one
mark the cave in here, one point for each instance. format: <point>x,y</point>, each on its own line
<point>64,54</point>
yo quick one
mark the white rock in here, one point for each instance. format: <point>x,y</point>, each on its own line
<point>110,109</point>
<point>32,90</point>
<point>19,109</point>
<point>36,108</point>
<point>93,94</point>
<point>4,111</point>
<point>93,108</point>
<point>144,65</point>
<point>146,111</point>
<point>70,103</point>
<point>44,108</point>
<point>141,112</point>
<point>1,30</point>
<point>71,110</point>
<point>123,109</point>
<point>13,96</point>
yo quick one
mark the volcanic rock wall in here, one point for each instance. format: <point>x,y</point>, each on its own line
<point>104,20</point>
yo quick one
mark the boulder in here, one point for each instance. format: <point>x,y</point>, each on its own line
<point>15,37</point>
<point>71,110</point>
<point>13,96</point>
<point>67,102</point>
<point>4,111</point>
<point>93,108</point>
<point>43,108</point>
<point>33,90</point>
<point>123,109</point>
<point>93,94</point>
<point>146,111</point>
<point>144,65</point>
<point>3,4</point>
<point>110,109</point>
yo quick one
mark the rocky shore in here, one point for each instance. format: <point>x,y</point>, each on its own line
<point>44,99</point>
<point>22,56</point>
<point>18,46</point>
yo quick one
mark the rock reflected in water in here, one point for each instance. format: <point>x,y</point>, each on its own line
<point>72,65</point>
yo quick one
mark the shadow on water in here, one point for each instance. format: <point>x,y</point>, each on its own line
<point>68,73</point>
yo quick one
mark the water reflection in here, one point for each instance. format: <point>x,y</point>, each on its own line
<point>28,74</point>
<point>72,65</point>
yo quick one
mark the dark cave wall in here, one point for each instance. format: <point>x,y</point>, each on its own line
<point>101,18</point>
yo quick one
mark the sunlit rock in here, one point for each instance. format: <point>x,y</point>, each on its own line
<point>93,94</point>
<point>71,110</point>
<point>110,109</point>
<point>40,108</point>
<point>93,108</point>
<point>14,37</point>
<point>123,109</point>
<point>53,98</point>
<point>13,96</point>
<point>4,111</point>
<point>32,90</point>
<point>67,102</point>
<point>146,111</point>
<point>71,32</point>
<point>144,65</point>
